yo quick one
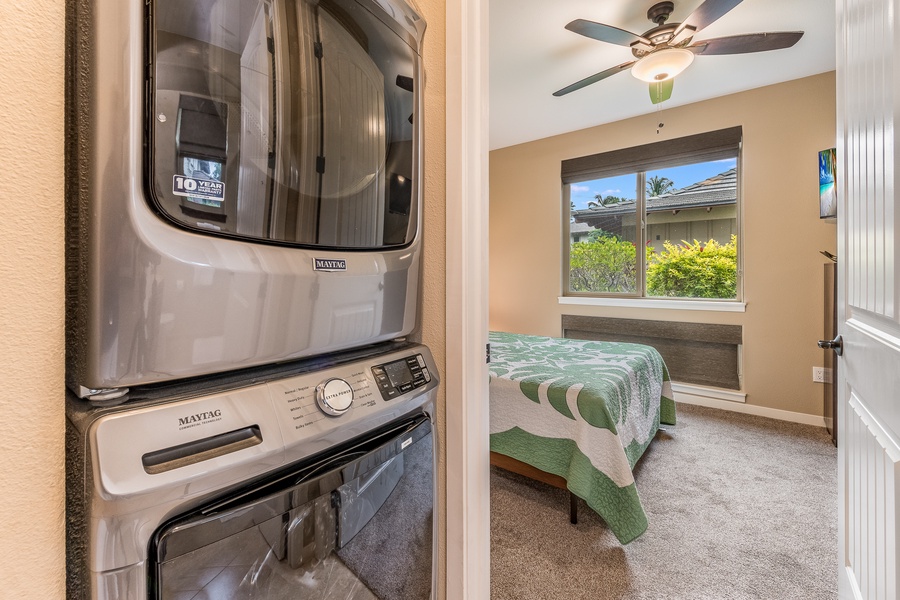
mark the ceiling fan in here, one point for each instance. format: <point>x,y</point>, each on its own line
<point>667,49</point>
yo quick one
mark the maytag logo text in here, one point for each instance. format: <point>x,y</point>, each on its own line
<point>329,264</point>
<point>200,418</point>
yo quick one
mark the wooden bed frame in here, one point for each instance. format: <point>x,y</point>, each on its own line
<point>517,466</point>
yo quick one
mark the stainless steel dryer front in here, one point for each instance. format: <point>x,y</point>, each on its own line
<point>244,184</point>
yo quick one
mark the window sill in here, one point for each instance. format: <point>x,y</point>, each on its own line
<point>660,303</point>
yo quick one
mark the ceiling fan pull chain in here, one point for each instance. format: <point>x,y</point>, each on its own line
<point>660,125</point>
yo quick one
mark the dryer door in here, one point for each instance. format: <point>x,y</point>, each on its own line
<point>289,121</point>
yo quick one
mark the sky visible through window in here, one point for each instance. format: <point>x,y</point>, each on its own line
<point>624,185</point>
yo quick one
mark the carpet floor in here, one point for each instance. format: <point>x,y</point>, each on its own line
<point>740,507</point>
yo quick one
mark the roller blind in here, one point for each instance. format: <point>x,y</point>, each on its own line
<point>701,147</point>
<point>698,353</point>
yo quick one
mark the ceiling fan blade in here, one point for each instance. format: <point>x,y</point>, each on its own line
<point>705,14</point>
<point>746,43</point>
<point>605,33</point>
<point>593,79</point>
<point>660,91</point>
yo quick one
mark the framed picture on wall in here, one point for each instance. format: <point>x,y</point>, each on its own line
<point>827,189</point>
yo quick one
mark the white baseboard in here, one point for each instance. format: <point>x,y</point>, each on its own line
<point>722,399</point>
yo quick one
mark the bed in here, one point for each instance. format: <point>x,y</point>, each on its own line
<point>579,414</point>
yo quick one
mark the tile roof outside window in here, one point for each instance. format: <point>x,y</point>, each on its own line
<point>720,190</point>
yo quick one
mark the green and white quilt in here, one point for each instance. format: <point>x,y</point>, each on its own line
<point>584,411</point>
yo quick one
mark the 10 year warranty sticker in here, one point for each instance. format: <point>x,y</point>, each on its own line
<point>208,189</point>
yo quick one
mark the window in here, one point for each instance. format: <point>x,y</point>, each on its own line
<point>655,221</point>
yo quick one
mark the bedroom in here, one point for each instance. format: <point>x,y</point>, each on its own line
<point>784,126</point>
<point>782,233</point>
<point>783,270</point>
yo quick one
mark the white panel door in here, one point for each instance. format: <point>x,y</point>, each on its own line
<point>868,100</point>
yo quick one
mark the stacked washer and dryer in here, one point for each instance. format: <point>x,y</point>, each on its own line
<point>249,414</point>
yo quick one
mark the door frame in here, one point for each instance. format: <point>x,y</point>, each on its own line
<point>466,381</point>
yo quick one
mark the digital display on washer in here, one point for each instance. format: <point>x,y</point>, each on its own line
<point>398,373</point>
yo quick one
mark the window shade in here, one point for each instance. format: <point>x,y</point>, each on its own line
<point>698,353</point>
<point>713,145</point>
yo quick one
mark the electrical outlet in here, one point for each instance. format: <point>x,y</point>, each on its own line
<point>821,375</point>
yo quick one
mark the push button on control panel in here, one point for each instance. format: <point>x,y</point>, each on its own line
<point>401,376</point>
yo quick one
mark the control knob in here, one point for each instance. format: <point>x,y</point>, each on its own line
<point>334,396</point>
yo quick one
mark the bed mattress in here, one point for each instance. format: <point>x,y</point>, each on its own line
<point>583,410</point>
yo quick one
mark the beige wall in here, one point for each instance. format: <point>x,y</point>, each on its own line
<point>32,545</point>
<point>784,126</point>
<point>32,542</point>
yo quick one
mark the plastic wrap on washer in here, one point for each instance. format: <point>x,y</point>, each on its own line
<point>383,519</point>
<point>257,564</point>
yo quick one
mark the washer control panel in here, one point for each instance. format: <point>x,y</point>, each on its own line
<point>341,401</point>
<point>334,396</point>
<point>400,376</point>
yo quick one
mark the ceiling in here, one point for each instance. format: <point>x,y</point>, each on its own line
<point>532,55</point>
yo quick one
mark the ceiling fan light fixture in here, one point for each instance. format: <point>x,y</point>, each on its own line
<point>662,65</point>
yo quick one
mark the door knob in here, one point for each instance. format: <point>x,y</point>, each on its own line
<point>837,344</point>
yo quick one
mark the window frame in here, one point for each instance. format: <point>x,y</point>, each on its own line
<point>638,160</point>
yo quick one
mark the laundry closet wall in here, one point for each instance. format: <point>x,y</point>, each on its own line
<point>32,509</point>
<point>32,425</point>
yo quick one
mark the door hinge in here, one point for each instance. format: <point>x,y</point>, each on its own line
<point>487,353</point>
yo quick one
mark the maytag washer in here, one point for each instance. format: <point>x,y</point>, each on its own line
<point>308,482</point>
